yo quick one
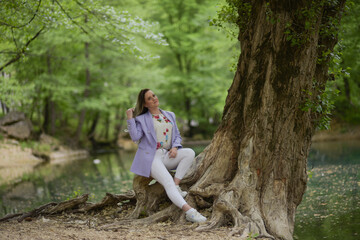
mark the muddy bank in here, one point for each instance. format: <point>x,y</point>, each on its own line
<point>338,132</point>
<point>15,161</point>
<point>19,158</point>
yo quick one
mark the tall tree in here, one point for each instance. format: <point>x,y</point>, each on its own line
<point>255,167</point>
<point>253,173</point>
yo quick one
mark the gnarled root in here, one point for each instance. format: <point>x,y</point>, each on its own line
<point>238,202</point>
<point>109,200</point>
<point>148,197</point>
<point>169,212</point>
<point>49,209</point>
<point>76,205</point>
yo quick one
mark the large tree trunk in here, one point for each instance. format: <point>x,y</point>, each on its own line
<point>253,173</point>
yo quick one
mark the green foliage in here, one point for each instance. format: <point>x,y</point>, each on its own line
<point>300,30</point>
<point>347,67</point>
<point>252,236</point>
<point>338,94</point>
<point>193,78</point>
<point>310,174</point>
<point>170,49</point>
<point>232,17</point>
<point>13,93</point>
<point>35,145</point>
<point>171,45</point>
<point>322,104</point>
<point>53,67</point>
<point>76,193</point>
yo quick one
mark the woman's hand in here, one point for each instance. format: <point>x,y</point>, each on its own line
<point>173,152</point>
<point>130,113</point>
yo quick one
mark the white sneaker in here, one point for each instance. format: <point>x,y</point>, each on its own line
<point>194,216</point>
<point>182,193</point>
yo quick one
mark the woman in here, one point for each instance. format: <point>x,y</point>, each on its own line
<point>160,149</point>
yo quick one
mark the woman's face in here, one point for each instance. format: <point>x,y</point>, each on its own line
<point>151,100</point>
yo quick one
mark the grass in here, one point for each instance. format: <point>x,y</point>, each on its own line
<point>40,147</point>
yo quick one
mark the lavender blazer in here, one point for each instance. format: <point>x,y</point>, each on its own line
<point>142,129</point>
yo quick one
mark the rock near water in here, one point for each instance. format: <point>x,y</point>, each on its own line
<point>16,125</point>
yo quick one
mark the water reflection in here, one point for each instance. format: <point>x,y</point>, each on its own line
<point>58,182</point>
<point>330,207</point>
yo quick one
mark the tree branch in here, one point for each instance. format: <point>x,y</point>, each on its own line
<point>13,37</point>
<point>18,55</point>
<point>72,20</point>
<point>21,26</point>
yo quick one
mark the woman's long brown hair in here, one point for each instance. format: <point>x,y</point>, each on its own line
<point>140,108</point>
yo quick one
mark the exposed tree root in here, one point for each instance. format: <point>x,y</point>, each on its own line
<point>76,205</point>
<point>109,200</point>
<point>161,216</point>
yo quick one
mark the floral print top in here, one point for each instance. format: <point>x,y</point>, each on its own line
<point>163,129</point>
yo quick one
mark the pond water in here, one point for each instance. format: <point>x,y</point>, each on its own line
<point>330,208</point>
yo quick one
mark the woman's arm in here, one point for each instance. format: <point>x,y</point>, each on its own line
<point>134,128</point>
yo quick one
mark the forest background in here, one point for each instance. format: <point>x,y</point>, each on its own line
<point>74,66</point>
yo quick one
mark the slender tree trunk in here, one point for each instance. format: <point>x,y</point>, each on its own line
<point>347,90</point>
<point>120,119</point>
<point>86,92</point>
<point>107,126</point>
<point>4,108</point>
<point>91,132</point>
<point>190,134</point>
<point>49,111</point>
<point>45,126</point>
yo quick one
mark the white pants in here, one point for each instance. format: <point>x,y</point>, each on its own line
<point>160,171</point>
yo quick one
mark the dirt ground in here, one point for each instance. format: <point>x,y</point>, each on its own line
<point>49,229</point>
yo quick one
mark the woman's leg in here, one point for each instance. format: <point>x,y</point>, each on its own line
<point>162,175</point>
<point>182,163</point>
